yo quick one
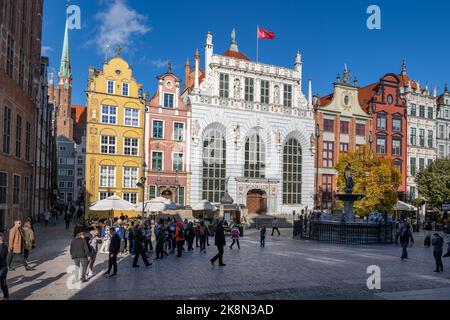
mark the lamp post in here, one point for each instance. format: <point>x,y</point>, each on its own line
<point>316,104</point>
<point>143,101</point>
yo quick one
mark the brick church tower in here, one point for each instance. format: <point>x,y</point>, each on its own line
<point>61,95</point>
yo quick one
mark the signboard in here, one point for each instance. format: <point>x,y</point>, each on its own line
<point>446,207</point>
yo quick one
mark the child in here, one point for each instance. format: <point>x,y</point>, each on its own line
<point>235,233</point>
<point>263,235</point>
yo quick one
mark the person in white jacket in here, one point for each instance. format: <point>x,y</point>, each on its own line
<point>105,242</point>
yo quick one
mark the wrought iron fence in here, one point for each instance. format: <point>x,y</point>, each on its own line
<point>344,233</point>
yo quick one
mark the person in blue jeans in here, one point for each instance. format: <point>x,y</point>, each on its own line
<point>405,239</point>
<point>262,234</point>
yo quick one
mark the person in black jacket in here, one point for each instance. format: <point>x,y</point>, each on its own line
<point>79,251</point>
<point>114,248</point>
<point>3,268</point>
<point>139,246</point>
<point>405,239</point>
<point>438,243</point>
<point>220,243</point>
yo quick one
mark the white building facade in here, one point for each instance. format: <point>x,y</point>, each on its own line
<point>443,125</point>
<point>251,133</point>
<point>421,115</point>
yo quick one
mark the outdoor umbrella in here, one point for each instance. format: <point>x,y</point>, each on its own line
<point>157,205</point>
<point>204,205</point>
<point>402,206</point>
<point>112,203</point>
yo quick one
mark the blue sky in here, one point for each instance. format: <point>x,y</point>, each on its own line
<point>327,33</point>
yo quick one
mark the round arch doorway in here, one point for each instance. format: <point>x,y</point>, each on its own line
<point>257,201</point>
<point>167,194</point>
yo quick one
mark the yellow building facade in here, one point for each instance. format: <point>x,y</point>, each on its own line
<point>114,142</point>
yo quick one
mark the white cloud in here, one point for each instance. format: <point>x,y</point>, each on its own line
<point>45,50</point>
<point>160,64</point>
<point>119,25</point>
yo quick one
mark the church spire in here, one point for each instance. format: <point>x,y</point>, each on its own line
<point>66,69</point>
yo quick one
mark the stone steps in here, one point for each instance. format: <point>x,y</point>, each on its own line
<point>257,221</point>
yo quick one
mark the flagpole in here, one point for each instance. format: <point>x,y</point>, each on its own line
<point>257,44</point>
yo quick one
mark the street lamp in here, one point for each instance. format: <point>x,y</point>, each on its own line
<point>143,101</point>
<point>317,163</point>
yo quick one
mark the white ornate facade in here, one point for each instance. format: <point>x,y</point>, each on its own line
<point>251,133</point>
<point>421,115</point>
<point>443,125</point>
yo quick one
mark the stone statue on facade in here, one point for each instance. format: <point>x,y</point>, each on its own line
<point>195,129</point>
<point>237,89</point>
<point>277,137</point>
<point>276,95</point>
<point>237,132</point>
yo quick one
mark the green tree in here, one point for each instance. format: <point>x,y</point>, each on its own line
<point>434,183</point>
<point>375,177</point>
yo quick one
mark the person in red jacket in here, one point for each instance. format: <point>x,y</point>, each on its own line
<point>179,237</point>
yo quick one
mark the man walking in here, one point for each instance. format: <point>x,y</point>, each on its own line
<point>79,251</point>
<point>3,268</point>
<point>438,243</point>
<point>275,226</point>
<point>114,248</point>
<point>405,238</point>
<point>220,243</point>
<point>15,245</point>
<point>139,248</point>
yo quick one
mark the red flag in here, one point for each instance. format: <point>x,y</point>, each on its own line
<point>265,34</point>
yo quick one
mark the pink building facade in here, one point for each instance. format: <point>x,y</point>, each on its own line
<point>168,136</point>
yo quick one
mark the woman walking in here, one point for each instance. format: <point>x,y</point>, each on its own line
<point>29,241</point>
<point>235,233</point>
<point>201,230</point>
<point>438,243</point>
<point>180,238</point>
<point>220,243</point>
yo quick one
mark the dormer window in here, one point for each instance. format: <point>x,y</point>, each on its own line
<point>110,87</point>
<point>168,100</point>
<point>125,89</point>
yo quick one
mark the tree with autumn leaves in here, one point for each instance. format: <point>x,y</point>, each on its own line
<point>434,183</point>
<point>375,177</point>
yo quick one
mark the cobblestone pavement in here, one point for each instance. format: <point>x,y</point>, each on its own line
<point>285,269</point>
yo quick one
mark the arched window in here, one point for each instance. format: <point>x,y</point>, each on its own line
<point>214,165</point>
<point>292,172</point>
<point>255,157</point>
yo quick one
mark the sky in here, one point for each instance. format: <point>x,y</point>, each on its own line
<point>328,34</point>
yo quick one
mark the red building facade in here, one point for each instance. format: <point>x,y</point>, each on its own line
<point>383,101</point>
<point>168,136</point>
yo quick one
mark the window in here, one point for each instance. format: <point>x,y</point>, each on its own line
<point>422,111</point>
<point>110,86</point>
<point>178,164</point>
<point>80,160</point>
<point>80,183</point>
<point>413,137</point>
<point>413,164</point>
<point>62,172</point>
<point>344,147</point>
<point>28,142</point>
<point>249,89</point>
<point>265,91</point>
<point>30,80</point>
<point>109,114</point>
<point>328,125</point>
<point>70,172</point>
<point>16,189</point>
<point>214,165</point>
<point>381,122</point>
<point>328,151</point>
<point>412,193</point>
<point>70,161</point>
<point>327,191</point>
<point>430,113</point>
<point>344,127</point>
<point>10,57</point>
<point>181,196</point>
<point>255,157</point>
<point>104,195</point>
<point>413,110</point>
<point>125,89</point>
<point>390,99</point>
<point>130,177</point>
<point>108,145</point>
<point>107,176</point>
<point>79,172</point>
<point>398,165</point>
<point>69,184</point>
<point>441,151</point>
<point>62,148</point>
<point>168,100</point>
<point>131,117</point>
<point>158,129</point>
<point>131,147</point>
<point>381,145</point>
<point>62,161</point>
<point>360,129</point>
<point>21,69</point>
<point>429,162</point>
<point>131,197</point>
<point>3,187</point>
<point>224,85</point>
<point>151,192</point>
<point>430,138</point>
<point>422,137</point>
<point>396,147</point>
<point>421,164</point>
<point>287,92</point>
<point>397,124</point>
<point>19,136</point>
<point>6,130</point>
<point>178,131</point>
<point>157,164</point>
<point>292,172</point>
<point>441,131</point>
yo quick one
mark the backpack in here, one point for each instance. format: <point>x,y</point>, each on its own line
<point>235,233</point>
<point>181,233</point>
<point>200,230</point>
